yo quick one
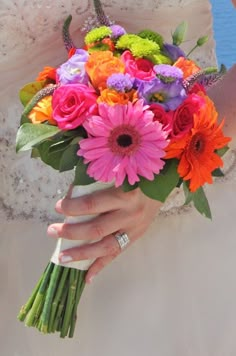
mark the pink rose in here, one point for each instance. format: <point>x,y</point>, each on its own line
<point>183,116</point>
<point>72,104</point>
<point>160,115</point>
<point>138,68</point>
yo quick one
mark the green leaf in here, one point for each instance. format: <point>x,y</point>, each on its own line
<point>69,158</point>
<point>81,176</point>
<point>187,193</point>
<point>201,203</point>
<point>29,90</point>
<point>163,183</point>
<point>179,34</point>
<point>218,173</point>
<point>222,151</point>
<point>128,187</point>
<point>24,120</point>
<point>52,159</point>
<point>29,135</point>
<point>199,200</point>
<point>60,145</point>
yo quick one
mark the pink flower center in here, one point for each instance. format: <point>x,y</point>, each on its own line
<point>124,139</point>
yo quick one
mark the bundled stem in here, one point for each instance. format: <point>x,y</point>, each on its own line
<point>54,300</point>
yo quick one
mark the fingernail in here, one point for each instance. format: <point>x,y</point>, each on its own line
<point>52,232</point>
<point>90,279</point>
<point>65,258</point>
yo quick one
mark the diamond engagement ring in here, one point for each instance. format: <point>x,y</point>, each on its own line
<point>123,239</point>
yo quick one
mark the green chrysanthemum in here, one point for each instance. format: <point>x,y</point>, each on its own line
<point>126,41</point>
<point>139,47</point>
<point>159,59</point>
<point>97,34</point>
<point>153,36</point>
<point>144,48</point>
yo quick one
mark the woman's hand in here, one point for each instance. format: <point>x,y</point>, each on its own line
<point>130,212</point>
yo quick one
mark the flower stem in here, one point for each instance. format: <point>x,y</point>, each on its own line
<point>25,308</point>
<point>61,309</point>
<point>58,295</point>
<point>74,275</point>
<point>79,291</point>
<point>55,275</point>
<point>39,296</point>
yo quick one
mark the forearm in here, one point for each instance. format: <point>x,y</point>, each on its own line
<point>224,97</point>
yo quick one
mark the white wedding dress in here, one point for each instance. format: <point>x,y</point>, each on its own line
<point>174,292</point>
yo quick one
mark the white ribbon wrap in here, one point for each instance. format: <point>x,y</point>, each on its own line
<point>63,244</point>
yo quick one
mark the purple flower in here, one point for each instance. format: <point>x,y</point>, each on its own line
<point>73,71</point>
<point>173,52</point>
<point>168,95</point>
<point>120,82</point>
<point>167,73</point>
<point>117,31</point>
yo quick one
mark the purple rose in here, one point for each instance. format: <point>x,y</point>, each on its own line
<point>73,71</point>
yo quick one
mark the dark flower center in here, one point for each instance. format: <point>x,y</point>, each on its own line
<point>198,143</point>
<point>124,140</point>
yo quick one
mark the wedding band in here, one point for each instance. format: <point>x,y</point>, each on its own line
<point>123,239</point>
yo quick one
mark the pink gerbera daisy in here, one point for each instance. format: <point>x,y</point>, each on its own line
<point>123,142</point>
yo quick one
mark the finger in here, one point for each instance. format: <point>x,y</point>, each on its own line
<point>97,266</point>
<point>95,229</point>
<point>90,204</point>
<point>108,246</point>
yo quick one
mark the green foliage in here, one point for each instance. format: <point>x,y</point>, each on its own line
<point>126,187</point>
<point>81,176</point>
<point>69,158</point>
<point>199,200</point>
<point>218,173</point>
<point>163,183</point>
<point>29,135</point>
<point>179,34</point>
<point>29,91</point>
<point>222,151</point>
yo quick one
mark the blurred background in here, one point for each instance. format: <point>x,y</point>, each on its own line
<point>224,16</point>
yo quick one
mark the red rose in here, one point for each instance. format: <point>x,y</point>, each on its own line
<point>160,115</point>
<point>138,68</point>
<point>184,114</point>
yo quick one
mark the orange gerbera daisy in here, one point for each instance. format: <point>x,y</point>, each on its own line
<point>42,112</point>
<point>196,150</point>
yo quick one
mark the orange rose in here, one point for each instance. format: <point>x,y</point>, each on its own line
<point>113,97</point>
<point>47,73</point>
<point>101,65</point>
<point>42,112</point>
<point>187,66</point>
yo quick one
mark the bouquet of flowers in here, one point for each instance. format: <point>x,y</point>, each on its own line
<point>128,110</point>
